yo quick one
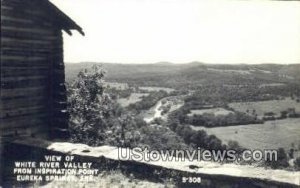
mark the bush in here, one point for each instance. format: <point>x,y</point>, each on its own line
<point>196,138</point>
<point>234,145</point>
<point>160,138</point>
<point>282,160</point>
<point>212,120</point>
<point>96,119</point>
<point>297,163</point>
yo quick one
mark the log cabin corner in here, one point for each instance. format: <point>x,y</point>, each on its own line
<point>33,98</point>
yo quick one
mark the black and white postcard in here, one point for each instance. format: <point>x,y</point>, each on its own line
<point>150,93</point>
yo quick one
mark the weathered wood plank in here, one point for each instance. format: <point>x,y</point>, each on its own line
<point>14,103</point>
<point>15,3</point>
<point>20,58</point>
<point>42,90</point>
<point>24,111</point>
<point>25,83</point>
<point>28,29</point>
<point>25,65</point>
<point>27,35</point>
<point>24,24</point>
<point>25,121</point>
<point>27,53</point>
<point>28,68</point>
<point>23,20</point>
<point>25,72</point>
<point>3,6</point>
<point>33,131</point>
<point>25,11</point>
<point>11,132</point>
<point>11,6</point>
<point>38,16</point>
<point>46,43</point>
<point>45,64</point>
<point>29,7</point>
<point>25,68</point>
<point>29,49</point>
<point>22,78</point>
<point>28,57</point>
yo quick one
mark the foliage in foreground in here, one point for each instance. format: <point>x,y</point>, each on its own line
<point>97,119</point>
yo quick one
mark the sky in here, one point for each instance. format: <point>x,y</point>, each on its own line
<point>182,31</point>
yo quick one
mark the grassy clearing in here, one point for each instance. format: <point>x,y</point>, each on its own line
<point>116,85</point>
<point>270,135</point>
<point>157,89</point>
<point>262,107</point>
<point>215,111</point>
<point>134,98</point>
<point>272,85</point>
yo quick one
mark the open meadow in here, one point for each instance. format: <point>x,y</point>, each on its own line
<point>261,107</point>
<point>133,98</point>
<point>149,89</point>
<point>270,135</point>
<point>116,85</point>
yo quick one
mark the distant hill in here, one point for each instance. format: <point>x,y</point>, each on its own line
<point>192,74</point>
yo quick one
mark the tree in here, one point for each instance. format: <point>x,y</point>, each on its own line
<point>297,163</point>
<point>234,145</point>
<point>283,114</point>
<point>95,118</point>
<point>282,160</point>
<point>161,138</point>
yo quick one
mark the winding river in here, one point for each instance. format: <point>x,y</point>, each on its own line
<point>156,110</point>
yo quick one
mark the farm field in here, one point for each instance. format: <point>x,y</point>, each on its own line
<point>272,85</point>
<point>157,89</point>
<point>116,85</point>
<point>215,111</point>
<point>262,107</point>
<point>270,135</point>
<point>134,97</point>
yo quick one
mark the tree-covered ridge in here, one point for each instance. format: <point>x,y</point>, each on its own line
<point>192,75</point>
